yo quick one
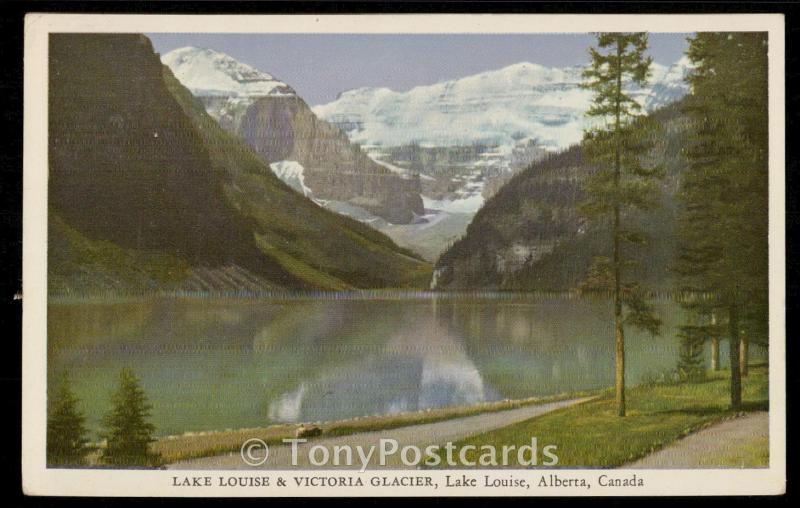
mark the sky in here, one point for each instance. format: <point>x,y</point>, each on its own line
<point>321,66</point>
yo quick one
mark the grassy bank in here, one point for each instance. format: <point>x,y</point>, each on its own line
<point>591,435</point>
<point>205,444</point>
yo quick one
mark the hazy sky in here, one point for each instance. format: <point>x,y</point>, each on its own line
<point>320,66</point>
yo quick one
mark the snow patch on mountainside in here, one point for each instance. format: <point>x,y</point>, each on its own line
<point>469,204</point>
<point>291,172</point>
<point>493,108</point>
<point>391,167</point>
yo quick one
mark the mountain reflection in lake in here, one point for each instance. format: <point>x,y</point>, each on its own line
<point>217,364</point>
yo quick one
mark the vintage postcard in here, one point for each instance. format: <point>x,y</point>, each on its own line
<point>404,255</point>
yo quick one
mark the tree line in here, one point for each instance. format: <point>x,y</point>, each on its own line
<point>722,259</point>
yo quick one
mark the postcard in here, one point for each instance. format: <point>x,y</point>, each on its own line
<point>404,255</point>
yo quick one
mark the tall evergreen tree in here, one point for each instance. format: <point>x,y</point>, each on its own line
<point>127,431</point>
<point>621,184</point>
<point>723,227</point>
<point>66,434</point>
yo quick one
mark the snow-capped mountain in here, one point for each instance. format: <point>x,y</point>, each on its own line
<point>668,83</point>
<point>226,86</point>
<point>467,137</point>
<point>495,108</point>
<point>309,154</point>
<point>207,72</point>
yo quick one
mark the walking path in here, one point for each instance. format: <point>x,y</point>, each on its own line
<point>418,435</point>
<point>740,442</point>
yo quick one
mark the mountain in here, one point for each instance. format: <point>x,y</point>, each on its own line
<point>214,73</point>
<point>496,108</point>
<point>467,137</point>
<point>147,192</point>
<point>530,235</point>
<point>283,130</point>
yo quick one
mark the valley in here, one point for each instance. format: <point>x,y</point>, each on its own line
<point>419,166</point>
<point>415,165</point>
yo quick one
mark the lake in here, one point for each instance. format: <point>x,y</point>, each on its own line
<point>213,364</point>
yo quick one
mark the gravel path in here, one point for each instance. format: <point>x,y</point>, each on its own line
<point>726,442</point>
<point>418,435</point>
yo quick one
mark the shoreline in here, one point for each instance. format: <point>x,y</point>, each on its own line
<point>387,294</point>
<point>192,445</point>
<point>421,435</point>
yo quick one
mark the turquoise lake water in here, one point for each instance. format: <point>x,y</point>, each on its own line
<point>209,364</point>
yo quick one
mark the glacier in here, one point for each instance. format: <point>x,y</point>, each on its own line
<point>495,108</point>
<point>503,119</point>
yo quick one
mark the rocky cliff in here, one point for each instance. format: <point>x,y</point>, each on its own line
<point>280,127</point>
<point>284,128</point>
<point>126,164</point>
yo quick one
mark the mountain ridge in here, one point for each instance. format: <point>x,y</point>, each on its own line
<point>281,127</point>
<point>365,113</point>
<point>147,192</point>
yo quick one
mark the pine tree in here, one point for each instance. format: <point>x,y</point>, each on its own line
<point>127,431</point>
<point>620,184</point>
<point>691,364</point>
<point>66,434</point>
<point>723,225</point>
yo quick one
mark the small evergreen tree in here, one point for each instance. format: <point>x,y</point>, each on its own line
<point>691,364</point>
<point>620,183</point>
<point>66,434</point>
<point>127,431</point>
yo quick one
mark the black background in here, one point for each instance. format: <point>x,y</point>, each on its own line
<point>11,91</point>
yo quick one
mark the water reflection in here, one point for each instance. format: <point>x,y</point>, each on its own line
<point>419,364</point>
<point>241,363</point>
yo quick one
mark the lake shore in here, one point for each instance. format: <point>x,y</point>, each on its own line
<point>419,435</point>
<point>582,425</point>
<point>204,444</point>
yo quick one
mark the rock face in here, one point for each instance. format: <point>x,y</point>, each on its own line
<point>280,126</point>
<point>285,129</point>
